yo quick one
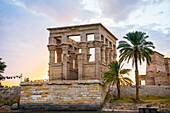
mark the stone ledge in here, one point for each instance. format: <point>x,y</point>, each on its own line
<point>61,107</point>
<point>62,82</point>
<point>31,84</point>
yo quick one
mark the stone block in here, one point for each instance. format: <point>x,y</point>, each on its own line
<point>77,92</point>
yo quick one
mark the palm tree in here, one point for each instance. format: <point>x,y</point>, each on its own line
<point>115,76</point>
<point>2,68</point>
<point>137,49</point>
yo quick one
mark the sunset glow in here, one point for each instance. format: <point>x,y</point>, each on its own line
<point>24,35</point>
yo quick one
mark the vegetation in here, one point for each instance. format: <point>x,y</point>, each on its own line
<point>115,76</point>
<point>26,79</point>
<point>2,69</point>
<point>137,49</point>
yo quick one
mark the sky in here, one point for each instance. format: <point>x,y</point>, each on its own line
<point>24,23</point>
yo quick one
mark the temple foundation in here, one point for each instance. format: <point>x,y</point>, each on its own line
<point>62,95</point>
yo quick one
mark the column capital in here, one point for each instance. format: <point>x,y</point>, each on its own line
<point>104,46</point>
<point>109,49</point>
<point>98,43</point>
<point>52,40</point>
<point>83,42</point>
<point>52,47</point>
<point>64,45</point>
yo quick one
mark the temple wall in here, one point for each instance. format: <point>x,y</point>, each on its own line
<point>74,74</point>
<point>62,95</point>
<point>149,90</point>
<point>157,63</point>
<point>157,73</point>
<point>57,70</point>
<point>89,71</point>
<point>162,78</point>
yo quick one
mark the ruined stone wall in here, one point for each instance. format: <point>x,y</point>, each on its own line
<point>157,73</point>
<point>62,95</point>
<point>149,90</point>
<point>9,95</point>
<point>167,64</point>
<point>162,78</point>
<point>157,64</point>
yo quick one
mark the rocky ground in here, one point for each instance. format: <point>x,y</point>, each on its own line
<point>132,106</point>
<point>7,109</point>
<point>121,106</point>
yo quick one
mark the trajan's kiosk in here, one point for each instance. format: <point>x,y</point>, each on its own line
<point>75,82</point>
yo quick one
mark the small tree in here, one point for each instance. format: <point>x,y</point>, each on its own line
<point>2,69</point>
<point>26,79</point>
<point>115,76</point>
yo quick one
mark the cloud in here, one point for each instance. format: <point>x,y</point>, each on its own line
<point>61,11</point>
<point>23,41</point>
<point>119,10</point>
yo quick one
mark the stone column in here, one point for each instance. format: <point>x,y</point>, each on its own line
<point>114,53</point>
<point>84,46</point>
<point>104,54</point>
<point>98,45</point>
<point>59,52</point>
<point>108,50</point>
<point>52,41</point>
<point>52,49</point>
<point>111,55</point>
<point>65,59</point>
<point>80,66</point>
<point>84,50</point>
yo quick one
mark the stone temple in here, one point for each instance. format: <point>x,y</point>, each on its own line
<point>158,72</point>
<point>69,59</point>
<point>75,75</point>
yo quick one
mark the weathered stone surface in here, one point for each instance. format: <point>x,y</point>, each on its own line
<point>158,72</point>
<point>63,95</point>
<point>148,90</point>
<point>9,95</point>
<point>61,107</point>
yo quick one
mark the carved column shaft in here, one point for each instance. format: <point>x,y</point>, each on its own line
<point>84,50</point>
<point>52,49</point>
<point>59,52</point>
<point>65,60</point>
<point>98,45</point>
<point>108,50</point>
<point>104,53</point>
<point>65,47</point>
<point>80,66</point>
<point>114,53</point>
<point>111,55</point>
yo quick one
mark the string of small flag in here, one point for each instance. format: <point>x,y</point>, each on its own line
<point>13,77</point>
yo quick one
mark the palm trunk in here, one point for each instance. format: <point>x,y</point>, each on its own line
<point>118,90</point>
<point>136,78</point>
